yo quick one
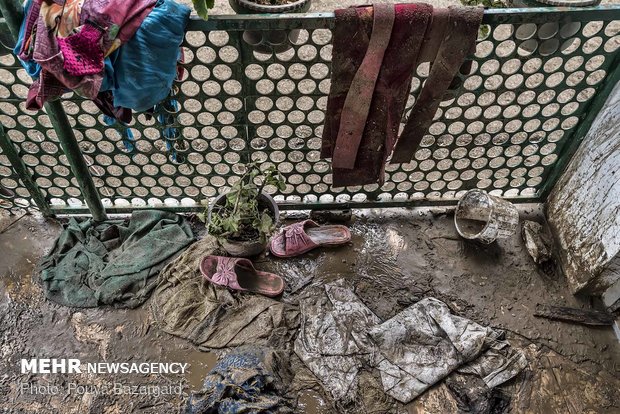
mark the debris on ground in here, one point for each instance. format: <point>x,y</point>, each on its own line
<point>537,242</point>
<point>331,216</point>
<point>390,273</point>
<point>413,350</point>
<point>582,316</point>
<point>247,380</point>
<point>115,262</point>
<point>332,340</point>
<point>186,305</point>
<point>424,343</point>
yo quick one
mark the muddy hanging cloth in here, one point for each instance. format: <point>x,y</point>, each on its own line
<point>357,103</point>
<point>247,380</point>
<point>459,41</point>
<point>185,304</point>
<point>114,262</point>
<point>380,117</point>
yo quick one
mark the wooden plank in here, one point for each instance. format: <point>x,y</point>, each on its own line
<point>581,316</point>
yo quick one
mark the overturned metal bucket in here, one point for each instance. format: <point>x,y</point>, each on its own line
<point>484,217</point>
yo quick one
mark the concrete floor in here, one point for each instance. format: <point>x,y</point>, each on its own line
<point>395,258</point>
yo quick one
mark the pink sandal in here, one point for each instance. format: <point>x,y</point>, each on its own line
<point>240,274</point>
<point>306,235</point>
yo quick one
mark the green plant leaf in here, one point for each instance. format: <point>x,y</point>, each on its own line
<point>202,217</point>
<point>202,7</point>
<point>265,225</point>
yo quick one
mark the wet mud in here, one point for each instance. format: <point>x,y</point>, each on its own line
<point>393,260</point>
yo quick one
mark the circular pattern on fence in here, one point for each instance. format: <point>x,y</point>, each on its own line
<point>500,128</point>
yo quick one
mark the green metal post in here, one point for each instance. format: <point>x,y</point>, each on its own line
<point>21,170</point>
<point>13,13</point>
<point>72,150</point>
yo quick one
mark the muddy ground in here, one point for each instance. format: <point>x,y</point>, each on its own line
<point>394,259</point>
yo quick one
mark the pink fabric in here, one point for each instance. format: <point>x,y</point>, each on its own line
<point>33,16</point>
<point>47,86</point>
<point>82,51</point>
<point>119,18</point>
<point>357,103</point>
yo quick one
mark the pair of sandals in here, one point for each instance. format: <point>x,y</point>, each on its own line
<point>299,238</point>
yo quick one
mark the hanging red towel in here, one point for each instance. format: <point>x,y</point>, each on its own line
<point>365,108</point>
<point>459,40</point>
<point>352,37</point>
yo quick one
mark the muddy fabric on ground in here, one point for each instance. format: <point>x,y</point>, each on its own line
<point>332,340</point>
<point>187,305</point>
<point>114,262</point>
<point>424,343</point>
<point>550,382</point>
<point>247,380</point>
<point>413,350</point>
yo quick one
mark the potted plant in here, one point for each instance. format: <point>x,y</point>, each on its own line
<point>244,218</point>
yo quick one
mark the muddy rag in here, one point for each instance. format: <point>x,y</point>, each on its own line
<point>187,305</point>
<point>415,349</point>
<point>247,380</point>
<point>366,105</point>
<point>424,343</point>
<point>459,29</point>
<point>332,339</point>
<point>113,262</point>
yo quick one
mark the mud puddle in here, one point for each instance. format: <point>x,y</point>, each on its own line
<point>392,262</point>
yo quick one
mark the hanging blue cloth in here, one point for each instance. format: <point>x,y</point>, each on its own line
<point>141,72</point>
<point>32,68</point>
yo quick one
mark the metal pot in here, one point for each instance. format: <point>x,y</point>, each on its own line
<point>251,7</point>
<point>250,247</point>
<point>266,41</point>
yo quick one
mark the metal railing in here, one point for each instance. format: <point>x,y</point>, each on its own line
<point>540,76</point>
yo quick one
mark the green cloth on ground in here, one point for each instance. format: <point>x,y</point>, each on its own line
<point>114,262</point>
<point>185,304</point>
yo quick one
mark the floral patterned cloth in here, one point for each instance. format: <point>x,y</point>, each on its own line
<point>49,20</point>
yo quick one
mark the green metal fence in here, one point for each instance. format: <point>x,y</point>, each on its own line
<point>539,78</point>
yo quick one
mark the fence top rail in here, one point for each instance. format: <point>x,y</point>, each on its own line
<point>326,19</point>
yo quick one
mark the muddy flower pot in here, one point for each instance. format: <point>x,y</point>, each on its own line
<point>247,248</point>
<point>267,40</point>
